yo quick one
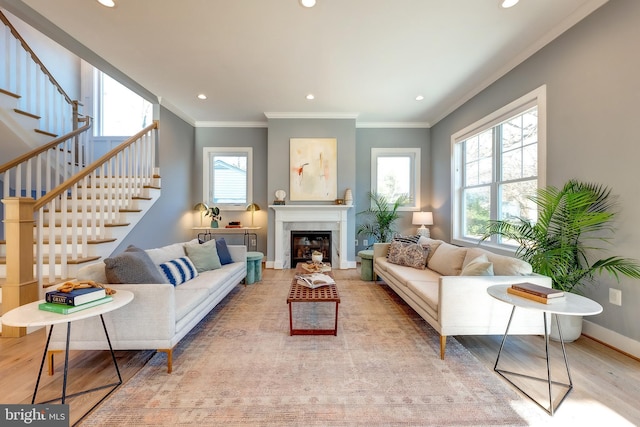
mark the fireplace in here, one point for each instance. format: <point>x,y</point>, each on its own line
<point>331,218</point>
<point>304,243</point>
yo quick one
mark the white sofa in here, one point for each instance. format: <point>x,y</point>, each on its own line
<point>160,314</point>
<point>454,304</point>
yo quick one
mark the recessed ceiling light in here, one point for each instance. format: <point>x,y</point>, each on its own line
<point>419,98</point>
<point>310,97</point>
<point>202,96</point>
<point>308,3</point>
<point>509,3</point>
<point>107,3</point>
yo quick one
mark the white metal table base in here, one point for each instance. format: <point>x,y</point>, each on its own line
<point>551,408</point>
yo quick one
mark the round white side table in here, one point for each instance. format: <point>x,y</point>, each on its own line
<point>29,315</point>
<point>569,305</point>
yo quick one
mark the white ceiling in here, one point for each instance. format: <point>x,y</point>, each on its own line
<point>360,58</point>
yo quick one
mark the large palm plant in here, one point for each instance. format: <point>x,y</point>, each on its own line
<point>381,215</point>
<point>573,224</point>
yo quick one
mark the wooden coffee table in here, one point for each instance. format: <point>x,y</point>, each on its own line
<point>299,293</point>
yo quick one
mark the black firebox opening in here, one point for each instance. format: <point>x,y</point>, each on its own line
<point>304,243</point>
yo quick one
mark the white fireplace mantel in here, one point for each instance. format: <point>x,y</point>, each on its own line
<point>309,213</point>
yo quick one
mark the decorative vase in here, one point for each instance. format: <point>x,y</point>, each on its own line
<point>348,197</point>
<point>571,328</point>
<point>316,257</point>
<point>214,224</point>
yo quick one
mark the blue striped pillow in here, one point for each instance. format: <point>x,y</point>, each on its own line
<point>179,270</point>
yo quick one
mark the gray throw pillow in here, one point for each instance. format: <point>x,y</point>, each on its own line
<point>132,266</point>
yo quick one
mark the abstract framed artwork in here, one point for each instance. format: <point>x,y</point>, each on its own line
<point>313,174</point>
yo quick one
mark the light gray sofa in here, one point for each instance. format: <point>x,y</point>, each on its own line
<point>455,304</point>
<point>160,314</point>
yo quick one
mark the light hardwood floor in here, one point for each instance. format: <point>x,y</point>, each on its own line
<point>606,382</point>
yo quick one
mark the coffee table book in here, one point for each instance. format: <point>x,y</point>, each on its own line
<point>314,280</point>
<point>68,309</point>
<point>76,296</point>
<point>538,290</point>
<point>533,297</point>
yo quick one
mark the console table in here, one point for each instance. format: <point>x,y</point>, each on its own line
<point>249,234</point>
<point>569,305</point>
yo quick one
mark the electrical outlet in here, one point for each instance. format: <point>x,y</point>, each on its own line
<point>356,242</point>
<point>365,242</point>
<point>615,296</point>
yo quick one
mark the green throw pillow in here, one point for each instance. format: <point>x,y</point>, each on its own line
<point>204,256</point>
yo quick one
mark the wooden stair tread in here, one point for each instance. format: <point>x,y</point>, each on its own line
<point>90,211</point>
<point>6,92</point>
<point>26,113</point>
<point>89,242</point>
<point>44,132</point>
<point>3,260</point>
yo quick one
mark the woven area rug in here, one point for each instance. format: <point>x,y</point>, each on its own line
<point>241,367</point>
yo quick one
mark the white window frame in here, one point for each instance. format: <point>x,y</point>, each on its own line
<point>207,152</point>
<point>536,98</point>
<point>414,203</point>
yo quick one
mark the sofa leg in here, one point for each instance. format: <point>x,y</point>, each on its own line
<point>50,354</point>
<point>443,345</point>
<point>169,352</point>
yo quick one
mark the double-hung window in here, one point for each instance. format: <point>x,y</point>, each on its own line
<point>396,172</point>
<point>227,173</point>
<point>498,162</point>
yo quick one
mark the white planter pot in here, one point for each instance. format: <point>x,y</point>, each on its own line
<point>571,328</point>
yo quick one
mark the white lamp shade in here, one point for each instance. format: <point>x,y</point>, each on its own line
<point>422,218</point>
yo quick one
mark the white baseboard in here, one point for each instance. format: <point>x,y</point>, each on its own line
<point>611,338</point>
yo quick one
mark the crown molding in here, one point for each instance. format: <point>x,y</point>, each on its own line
<point>271,115</point>
<point>393,125</point>
<point>206,124</point>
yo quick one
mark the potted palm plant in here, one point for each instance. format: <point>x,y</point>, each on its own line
<point>574,224</point>
<point>381,216</point>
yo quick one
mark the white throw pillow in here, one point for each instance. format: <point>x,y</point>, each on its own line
<point>447,259</point>
<point>479,266</point>
<point>179,270</point>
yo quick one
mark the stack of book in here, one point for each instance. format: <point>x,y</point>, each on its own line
<point>535,292</point>
<point>314,280</point>
<point>75,300</point>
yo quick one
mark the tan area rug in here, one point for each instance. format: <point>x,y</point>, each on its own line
<point>241,367</point>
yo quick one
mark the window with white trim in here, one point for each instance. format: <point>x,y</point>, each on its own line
<point>396,171</point>
<point>227,173</point>
<point>498,162</point>
<point>119,111</point>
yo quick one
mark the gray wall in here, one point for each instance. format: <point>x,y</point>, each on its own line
<point>280,131</point>
<point>169,220</point>
<point>236,137</point>
<point>391,138</point>
<point>593,88</point>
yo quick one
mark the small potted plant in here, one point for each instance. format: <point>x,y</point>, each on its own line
<point>214,213</point>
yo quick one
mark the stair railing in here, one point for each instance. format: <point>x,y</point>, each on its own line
<point>23,75</point>
<point>40,170</point>
<point>84,206</point>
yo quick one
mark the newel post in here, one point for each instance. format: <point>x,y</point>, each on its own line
<point>20,287</point>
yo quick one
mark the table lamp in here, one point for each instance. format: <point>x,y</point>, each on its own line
<point>422,219</point>
<point>252,208</point>
<point>202,208</point>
